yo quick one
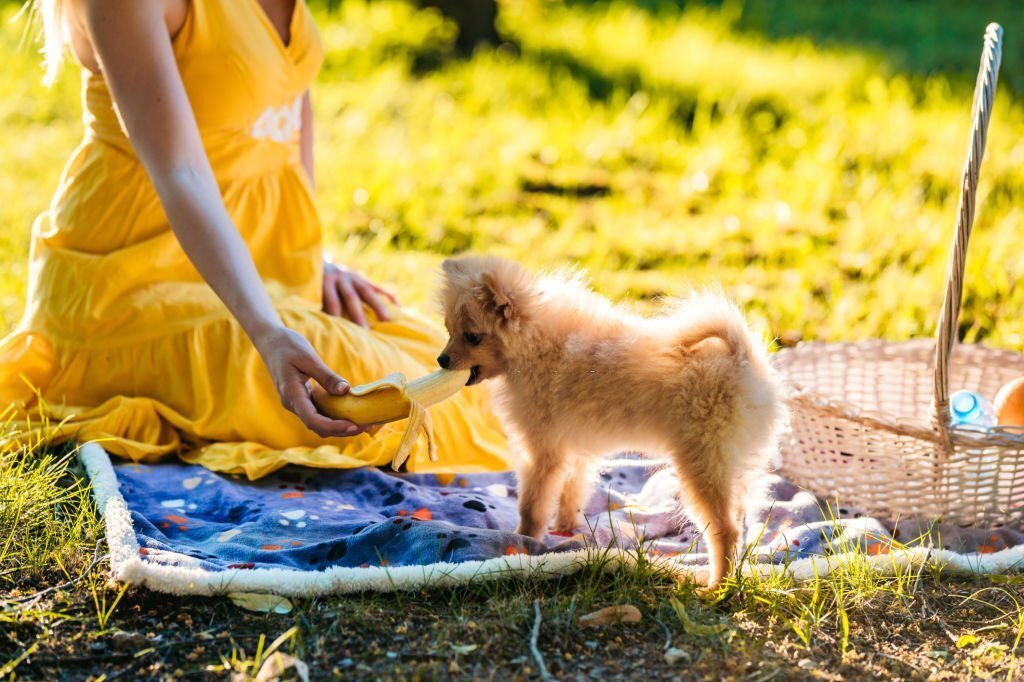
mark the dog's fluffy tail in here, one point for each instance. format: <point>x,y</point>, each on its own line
<point>711,324</point>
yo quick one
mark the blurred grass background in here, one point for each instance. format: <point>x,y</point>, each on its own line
<point>805,155</point>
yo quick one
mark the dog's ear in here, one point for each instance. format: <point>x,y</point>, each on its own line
<point>452,267</point>
<point>502,293</point>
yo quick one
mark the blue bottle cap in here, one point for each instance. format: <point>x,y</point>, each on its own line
<point>964,403</point>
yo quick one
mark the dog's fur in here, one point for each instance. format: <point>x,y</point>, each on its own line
<point>581,378</point>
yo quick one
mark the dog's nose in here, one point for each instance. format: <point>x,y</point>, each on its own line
<point>444,360</point>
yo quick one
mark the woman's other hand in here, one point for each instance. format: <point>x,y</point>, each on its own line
<point>345,292</point>
<point>292,362</point>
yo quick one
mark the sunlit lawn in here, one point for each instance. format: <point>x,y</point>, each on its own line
<point>659,150</point>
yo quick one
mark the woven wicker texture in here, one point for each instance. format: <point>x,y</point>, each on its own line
<point>869,421</point>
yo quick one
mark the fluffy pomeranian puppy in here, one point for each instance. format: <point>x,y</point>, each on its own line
<point>579,378</point>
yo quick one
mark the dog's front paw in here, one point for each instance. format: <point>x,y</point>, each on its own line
<point>569,521</point>
<point>530,528</point>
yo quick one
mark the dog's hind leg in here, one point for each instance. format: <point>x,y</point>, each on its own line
<point>721,533</point>
<point>541,475</point>
<point>714,508</point>
<point>575,493</point>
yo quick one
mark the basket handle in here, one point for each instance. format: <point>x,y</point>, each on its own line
<point>981,111</point>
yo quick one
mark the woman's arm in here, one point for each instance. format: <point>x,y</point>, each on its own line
<point>134,51</point>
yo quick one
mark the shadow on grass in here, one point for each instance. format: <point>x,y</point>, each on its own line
<point>922,37</point>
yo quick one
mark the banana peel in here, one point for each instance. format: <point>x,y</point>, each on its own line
<point>392,398</point>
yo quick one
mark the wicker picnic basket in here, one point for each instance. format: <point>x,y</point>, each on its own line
<point>870,421</point>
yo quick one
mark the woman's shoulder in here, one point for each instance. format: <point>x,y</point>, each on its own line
<point>74,13</point>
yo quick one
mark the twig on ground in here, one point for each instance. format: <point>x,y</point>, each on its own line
<point>901,661</point>
<point>8,668</point>
<point>668,633</point>
<point>942,624</point>
<point>106,657</point>
<point>541,668</point>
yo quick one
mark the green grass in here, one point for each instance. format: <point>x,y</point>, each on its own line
<point>811,183</point>
<point>660,149</point>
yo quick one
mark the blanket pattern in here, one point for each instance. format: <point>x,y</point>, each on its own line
<point>310,520</point>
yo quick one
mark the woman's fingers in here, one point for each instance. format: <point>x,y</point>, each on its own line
<point>332,304</point>
<point>292,361</point>
<point>312,366</point>
<point>369,294</point>
<point>325,427</point>
<point>308,364</point>
<point>385,292</point>
<point>297,399</point>
<point>353,303</point>
<point>345,292</point>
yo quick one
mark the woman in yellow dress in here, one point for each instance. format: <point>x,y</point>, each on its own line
<point>178,299</point>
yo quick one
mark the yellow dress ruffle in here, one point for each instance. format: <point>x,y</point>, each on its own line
<point>123,343</point>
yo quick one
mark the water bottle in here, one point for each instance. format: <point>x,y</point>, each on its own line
<point>967,408</point>
<point>970,410</point>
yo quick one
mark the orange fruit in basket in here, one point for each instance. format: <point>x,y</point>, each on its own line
<point>1009,404</point>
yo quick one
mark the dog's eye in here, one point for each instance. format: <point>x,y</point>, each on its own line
<point>471,338</point>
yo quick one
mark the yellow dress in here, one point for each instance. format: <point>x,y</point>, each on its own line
<point>123,340</point>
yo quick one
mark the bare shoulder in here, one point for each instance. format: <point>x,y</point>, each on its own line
<point>76,23</point>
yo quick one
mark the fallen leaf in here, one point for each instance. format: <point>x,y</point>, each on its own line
<point>625,613</point>
<point>463,648</point>
<point>692,627</point>
<point>277,663</point>
<point>262,603</point>
<point>966,640</point>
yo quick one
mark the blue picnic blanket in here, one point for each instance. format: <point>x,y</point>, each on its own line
<point>310,520</point>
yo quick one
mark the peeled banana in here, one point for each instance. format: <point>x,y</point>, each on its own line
<point>393,398</point>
